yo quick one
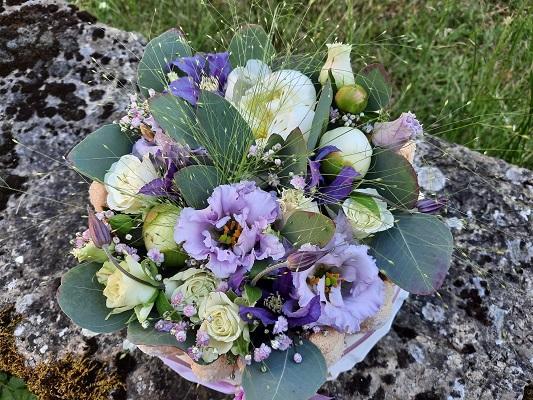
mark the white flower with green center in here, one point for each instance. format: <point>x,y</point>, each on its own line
<point>277,102</point>
<point>124,180</point>
<point>367,214</point>
<point>293,200</point>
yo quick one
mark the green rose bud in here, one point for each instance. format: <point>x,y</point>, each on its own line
<point>90,252</point>
<point>352,99</point>
<point>158,232</point>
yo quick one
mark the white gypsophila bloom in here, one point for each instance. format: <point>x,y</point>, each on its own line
<point>367,214</point>
<point>338,62</point>
<point>293,199</point>
<point>355,149</point>
<point>124,180</point>
<point>277,102</point>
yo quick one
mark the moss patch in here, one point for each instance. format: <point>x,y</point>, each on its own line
<point>72,377</point>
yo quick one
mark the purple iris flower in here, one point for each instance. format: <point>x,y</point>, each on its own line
<point>336,191</point>
<point>230,232</point>
<point>430,206</point>
<point>345,279</point>
<point>202,71</point>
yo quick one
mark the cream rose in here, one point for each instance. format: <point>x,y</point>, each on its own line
<point>124,180</point>
<point>367,214</point>
<point>220,319</point>
<point>338,62</point>
<point>195,285</point>
<point>294,199</point>
<point>123,293</point>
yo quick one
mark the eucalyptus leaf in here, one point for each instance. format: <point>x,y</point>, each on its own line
<point>415,253</point>
<point>321,117</point>
<point>196,184</point>
<point>151,72</point>
<point>376,82</point>
<point>151,337</point>
<point>308,227</point>
<point>176,117</point>
<point>284,379</point>
<point>95,154</point>
<point>293,154</point>
<point>393,177</point>
<point>80,297</point>
<point>227,137</point>
<point>250,42</point>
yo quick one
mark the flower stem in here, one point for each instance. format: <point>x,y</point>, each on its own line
<point>129,275</point>
<point>267,271</point>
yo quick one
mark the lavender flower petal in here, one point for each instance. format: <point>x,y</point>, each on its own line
<point>186,88</point>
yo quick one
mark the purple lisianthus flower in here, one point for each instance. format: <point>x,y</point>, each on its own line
<point>203,72</point>
<point>346,281</point>
<point>393,135</point>
<point>336,191</point>
<point>231,232</point>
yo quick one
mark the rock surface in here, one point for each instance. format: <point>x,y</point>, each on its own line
<point>62,75</point>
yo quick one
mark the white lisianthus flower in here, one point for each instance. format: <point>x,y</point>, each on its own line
<point>367,214</point>
<point>277,102</point>
<point>220,319</point>
<point>193,283</point>
<point>338,62</point>
<point>241,79</point>
<point>293,199</point>
<point>355,150</point>
<point>123,293</point>
<point>124,180</point>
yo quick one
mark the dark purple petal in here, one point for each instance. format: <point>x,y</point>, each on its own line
<point>192,66</point>
<point>157,187</point>
<point>219,67</point>
<point>340,188</point>
<point>186,88</point>
<point>324,152</point>
<point>267,317</point>
<point>430,206</point>
<point>99,232</point>
<point>283,283</point>
<point>304,315</point>
<point>236,280</point>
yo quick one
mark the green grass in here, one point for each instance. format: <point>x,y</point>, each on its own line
<point>464,67</point>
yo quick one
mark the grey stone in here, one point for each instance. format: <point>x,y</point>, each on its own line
<point>472,341</point>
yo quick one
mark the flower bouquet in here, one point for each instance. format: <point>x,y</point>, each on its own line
<point>255,220</point>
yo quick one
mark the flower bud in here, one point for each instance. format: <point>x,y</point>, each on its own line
<point>352,99</point>
<point>338,62</point>
<point>158,233</point>
<point>90,252</point>
<point>393,135</point>
<point>98,231</point>
<point>355,151</point>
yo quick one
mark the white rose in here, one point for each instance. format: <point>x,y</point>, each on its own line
<point>367,214</point>
<point>124,293</point>
<point>278,102</point>
<point>195,285</point>
<point>355,150</point>
<point>338,62</point>
<point>221,320</point>
<point>124,180</point>
<point>294,199</point>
